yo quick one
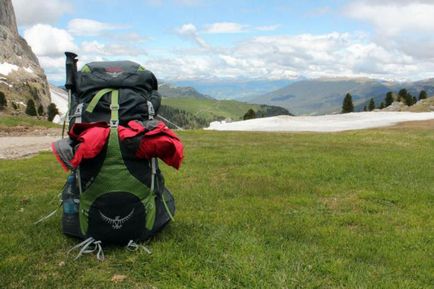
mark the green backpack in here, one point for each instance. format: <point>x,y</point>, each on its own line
<point>114,197</point>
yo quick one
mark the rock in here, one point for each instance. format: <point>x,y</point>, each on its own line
<point>118,278</point>
<point>21,76</point>
<point>396,106</point>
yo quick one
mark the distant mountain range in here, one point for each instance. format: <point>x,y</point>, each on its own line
<point>234,89</point>
<point>325,95</point>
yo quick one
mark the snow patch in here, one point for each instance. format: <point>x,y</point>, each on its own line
<point>29,70</point>
<point>6,68</point>
<point>60,98</point>
<point>322,123</point>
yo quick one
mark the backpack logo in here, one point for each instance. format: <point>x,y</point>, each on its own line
<point>114,71</point>
<point>117,222</point>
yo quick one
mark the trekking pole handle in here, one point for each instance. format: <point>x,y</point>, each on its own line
<point>71,69</point>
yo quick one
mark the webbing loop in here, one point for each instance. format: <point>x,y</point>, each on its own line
<point>97,98</point>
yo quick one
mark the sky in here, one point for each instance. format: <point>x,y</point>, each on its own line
<point>236,40</point>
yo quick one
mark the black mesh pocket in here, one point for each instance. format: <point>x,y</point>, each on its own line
<point>117,218</point>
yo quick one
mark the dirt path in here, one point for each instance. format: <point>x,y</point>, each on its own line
<point>22,146</point>
<point>19,143</point>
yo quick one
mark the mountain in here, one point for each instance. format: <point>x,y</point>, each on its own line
<point>325,95</point>
<point>234,89</point>
<point>168,90</point>
<point>21,76</point>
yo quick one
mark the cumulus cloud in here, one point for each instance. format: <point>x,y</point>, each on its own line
<point>40,11</point>
<point>402,25</point>
<point>47,40</point>
<point>285,57</point>
<point>111,49</point>
<point>89,27</point>
<point>393,17</point>
<point>49,44</point>
<point>189,31</point>
<point>225,27</point>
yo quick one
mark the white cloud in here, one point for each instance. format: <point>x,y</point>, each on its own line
<point>47,40</point>
<point>111,49</point>
<point>131,37</point>
<point>40,11</point>
<point>189,31</point>
<point>284,56</point>
<point>393,17</point>
<point>225,27</point>
<point>399,25</point>
<point>89,27</point>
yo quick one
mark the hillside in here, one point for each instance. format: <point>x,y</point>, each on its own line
<point>325,95</point>
<point>21,76</point>
<point>188,108</point>
<point>212,109</point>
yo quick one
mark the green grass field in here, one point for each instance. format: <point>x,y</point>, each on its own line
<point>210,109</point>
<point>7,121</point>
<point>254,210</point>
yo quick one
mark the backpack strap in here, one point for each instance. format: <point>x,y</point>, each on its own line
<point>97,98</point>
<point>114,107</point>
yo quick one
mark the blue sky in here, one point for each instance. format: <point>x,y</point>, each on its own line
<point>219,40</point>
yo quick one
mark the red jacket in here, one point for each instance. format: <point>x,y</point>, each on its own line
<point>159,142</point>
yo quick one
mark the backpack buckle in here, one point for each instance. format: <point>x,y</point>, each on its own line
<point>114,107</point>
<point>114,123</point>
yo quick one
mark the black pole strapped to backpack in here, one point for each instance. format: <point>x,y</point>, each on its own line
<point>71,69</point>
<point>70,84</point>
<point>71,78</point>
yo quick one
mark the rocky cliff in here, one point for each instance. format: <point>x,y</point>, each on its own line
<point>21,76</point>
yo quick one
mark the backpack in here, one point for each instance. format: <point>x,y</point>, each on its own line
<point>113,196</point>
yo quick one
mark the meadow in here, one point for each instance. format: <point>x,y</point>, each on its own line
<point>254,210</point>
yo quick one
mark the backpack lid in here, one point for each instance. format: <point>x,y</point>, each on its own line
<point>114,74</point>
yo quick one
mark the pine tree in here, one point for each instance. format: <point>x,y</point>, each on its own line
<point>40,110</point>
<point>347,105</point>
<point>371,105</point>
<point>408,99</point>
<point>413,100</point>
<point>389,99</point>
<point>382,105</point>
<point>365,108</point>
<point>423,95</point>
<point>402,95</point>
<point>52,111</point>
<point>250,114</point>
<point>30,109</point>
<point>3,101</point>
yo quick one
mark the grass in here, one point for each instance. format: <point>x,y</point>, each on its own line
<point>9,121</point>
<point>210,109</point>
<point>254,210</point>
